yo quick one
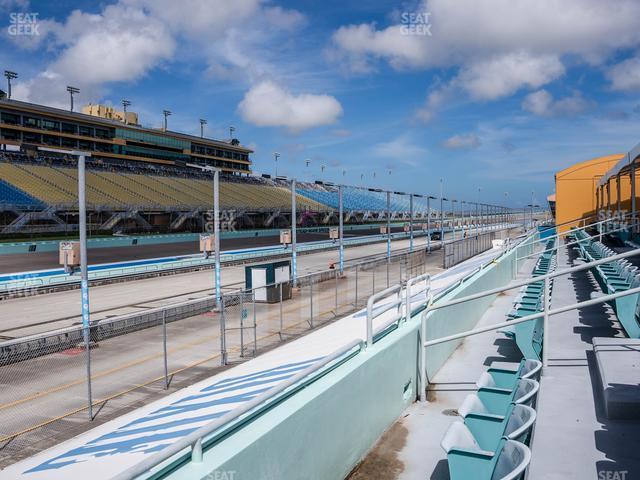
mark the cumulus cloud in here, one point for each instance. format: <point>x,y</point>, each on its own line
<point>543,104</point>
<point>269,105</point>
<point>625,75</point>
<point>402,149</point>
<point>464,30</point>
<point>497,46</point>
<point>129,38</point>
<point>462,142</point>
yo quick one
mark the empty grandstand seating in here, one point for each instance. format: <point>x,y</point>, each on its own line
<point>613,277</point>
<point>360,199</point>
<point>119,188</point>
<point>11,195</point>
<point>528,335</point>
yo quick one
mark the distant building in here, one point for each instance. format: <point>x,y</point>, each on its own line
<point>103,131</point>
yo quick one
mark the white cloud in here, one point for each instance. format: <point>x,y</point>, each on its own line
<point>462,142</point>
<point>268,105</point>
<point>543,104</point>
<point>126,40</point>
<point>504,75</point>
<point>498,46</point>
<point>466,30</point>
<point>625,75</point>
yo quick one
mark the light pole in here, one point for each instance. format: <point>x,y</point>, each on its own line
<point>441,212</point>
<point>429,198</point>
<point>453,217</point>
<point>341,230</point>
<point>276,156</point>
<point>294,228</point>
<point>84,269</point>
<point>72,91</point>
<point>307,162</point>
<point>203,122</point>
<point>411,222</point>
<point>125,104</point>
<point>10,76</point>
<point>216,225</point>
<point>166,113</point>
<point>232,129</point>
<point>388,226</point>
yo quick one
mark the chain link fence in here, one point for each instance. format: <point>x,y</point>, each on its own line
<point>460,250</point>
<point>133,359</point>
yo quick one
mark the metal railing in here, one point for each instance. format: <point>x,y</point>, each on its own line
<point>545,314</point>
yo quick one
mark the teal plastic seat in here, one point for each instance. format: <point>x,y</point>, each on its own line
<point>496,400</point>
<point>506,377</point>
<point>481,431</point>
<point>508,462</point>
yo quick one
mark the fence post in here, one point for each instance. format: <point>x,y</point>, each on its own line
<point>423,359</point>
<point>164,348</point>
<point>336,276</point>
<point>356,304</point>
<point>223,333</point>
<point>255,324</point>
<point>280,293</point>
<point>373,280</point>
<point>388,273</point>
<point>311,301</point>
<point>241,302</point>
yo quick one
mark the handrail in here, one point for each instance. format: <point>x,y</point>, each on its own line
<point>409,293</point>
<point>546,313</point>
<point>566,244</point>
<point>195,439</point>
<point>395,289</point>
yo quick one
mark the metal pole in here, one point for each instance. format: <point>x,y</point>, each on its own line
<point>388,226</point>
<point>618,192</point>
<point>84,277</point>
<point>280,289</point>
<point>453,219</point>
<point>336,276</point>
<point>241,302</point>
<point>411,222</point>
<point>632,177</point>
<point>164,349</point>
<point>341,229</point>
<point>311,301</point>
<point>429,223</point>
<point>294,266</point>
<point>223,334</point>
<point>545,325</point>
<point>356,286</point>
<point>216,231</point>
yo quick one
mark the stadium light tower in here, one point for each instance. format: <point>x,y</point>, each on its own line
<point>203,122</point>
<point>125,104</point>
<point>166,113</point>
<point>231,130</point>
<point>10,76</point>
<point>72,91</point>
<point>276,156</point>
<point>429,198</point>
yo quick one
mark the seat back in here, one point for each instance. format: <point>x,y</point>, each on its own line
<point>526,391</point>
<point>530,368</point>
<point>513,459</point>
<point>520,421</point>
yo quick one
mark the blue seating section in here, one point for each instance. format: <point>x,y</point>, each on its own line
<point>613,277</point>
<point>528,335</point>
<point>12,195</point>
<point>490,439</point>
<point>365,200</point>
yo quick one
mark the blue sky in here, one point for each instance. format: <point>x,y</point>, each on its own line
<point>489,94</point>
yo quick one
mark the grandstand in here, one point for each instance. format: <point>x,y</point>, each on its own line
<point>168,198</point>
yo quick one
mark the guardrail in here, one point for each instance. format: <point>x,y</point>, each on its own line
<point>545,314</point>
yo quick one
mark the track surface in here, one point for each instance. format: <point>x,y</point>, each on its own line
<point>45,260</point>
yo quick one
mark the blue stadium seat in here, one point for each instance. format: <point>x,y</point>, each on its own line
<point>12,195</point>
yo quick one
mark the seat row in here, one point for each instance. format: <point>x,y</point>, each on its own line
<point>490,439</point>
<point>615,276</point>
<point>528,335</point>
